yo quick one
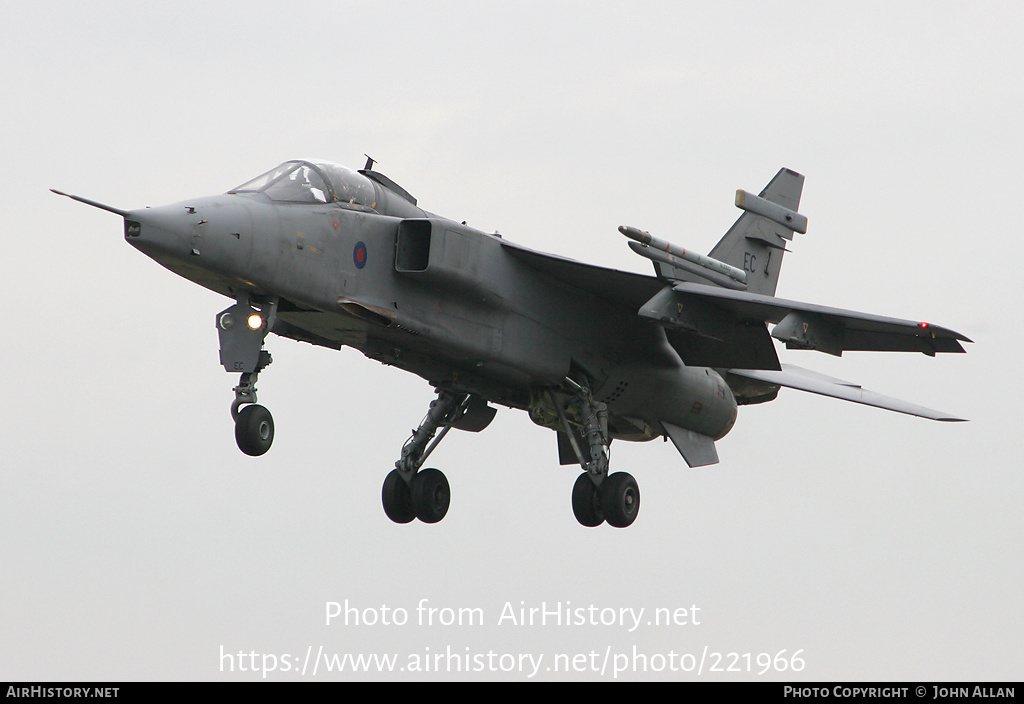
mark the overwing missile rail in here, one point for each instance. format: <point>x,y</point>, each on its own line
<point>659,245</point>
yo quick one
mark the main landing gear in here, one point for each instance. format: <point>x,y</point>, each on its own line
<point>242,329</point>
<point>597,496</point>
<point>410,492</point>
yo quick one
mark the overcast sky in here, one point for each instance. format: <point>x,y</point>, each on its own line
<point>139,543</point>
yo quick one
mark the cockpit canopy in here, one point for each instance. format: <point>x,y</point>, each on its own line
<point>314,182</point>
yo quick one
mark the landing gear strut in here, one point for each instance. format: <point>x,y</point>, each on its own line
<point>597,496</point>
<point>410,492</point>
<point>242,330</point>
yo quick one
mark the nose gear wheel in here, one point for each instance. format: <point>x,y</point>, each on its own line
<point>254,430</point>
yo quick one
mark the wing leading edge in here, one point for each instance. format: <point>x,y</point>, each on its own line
<point>621,288</point>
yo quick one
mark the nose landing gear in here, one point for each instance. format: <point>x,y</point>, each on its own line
<point>242,329</point>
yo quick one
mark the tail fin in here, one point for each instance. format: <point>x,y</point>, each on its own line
<point>757,240</point>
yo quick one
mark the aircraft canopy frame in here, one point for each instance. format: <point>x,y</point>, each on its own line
<point>314,183</point>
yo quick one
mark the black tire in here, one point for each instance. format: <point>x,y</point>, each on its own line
<point>586,502</point>
<point>431,495</point>
<point>397,498</point>
<point>254,430</point>
<point>620,499</point>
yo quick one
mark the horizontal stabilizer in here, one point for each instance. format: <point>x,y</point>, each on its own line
<point>698,450</point>
<point>794,377</point>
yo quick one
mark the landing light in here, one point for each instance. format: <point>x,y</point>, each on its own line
<point>255,321</point>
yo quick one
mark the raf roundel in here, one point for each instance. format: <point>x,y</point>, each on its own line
<point>359,255</point>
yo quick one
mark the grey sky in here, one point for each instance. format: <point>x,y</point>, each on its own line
<point>139,541</point>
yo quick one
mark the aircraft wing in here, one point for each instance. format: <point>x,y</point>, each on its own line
<point>794,377</point>
<point>831,330</point>
<point>620,287</point>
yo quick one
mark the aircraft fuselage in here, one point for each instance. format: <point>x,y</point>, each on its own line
<point>322,254</point>
<point>436,298</point>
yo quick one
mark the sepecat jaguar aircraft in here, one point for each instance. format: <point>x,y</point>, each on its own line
<point>319,253</point>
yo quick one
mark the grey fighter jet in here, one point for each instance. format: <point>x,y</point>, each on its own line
<point>323,254</point>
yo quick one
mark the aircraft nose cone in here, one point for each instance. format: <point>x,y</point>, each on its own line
<point>161,232</point>
<point>207,240</point>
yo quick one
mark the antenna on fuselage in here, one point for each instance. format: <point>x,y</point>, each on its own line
<point>369,163</point>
